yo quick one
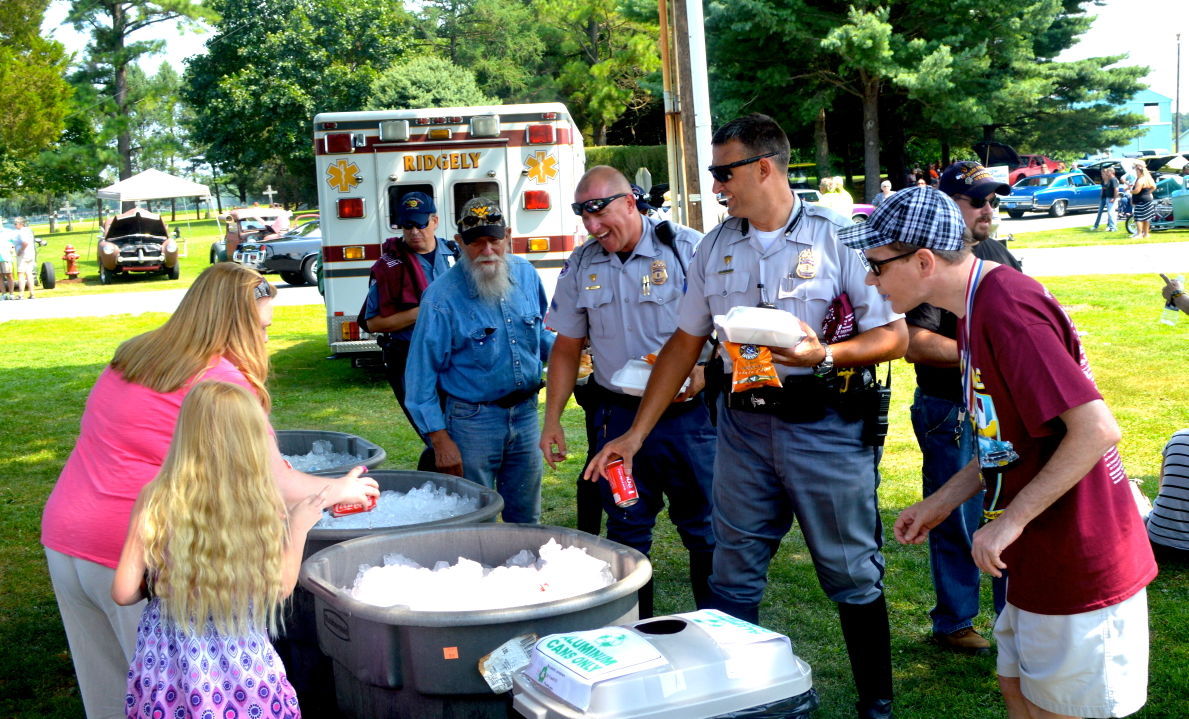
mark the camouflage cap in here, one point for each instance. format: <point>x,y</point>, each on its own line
<point>481,217</point>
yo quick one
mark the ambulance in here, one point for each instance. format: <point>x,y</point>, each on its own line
<point>528,157</point>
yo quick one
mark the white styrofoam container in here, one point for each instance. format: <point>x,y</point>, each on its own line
<point>760,326</point>
<point>632,378</point>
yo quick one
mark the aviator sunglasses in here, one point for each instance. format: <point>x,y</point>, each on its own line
<point>595,205</point>
<point>722,173</point>
<point>991,199</point>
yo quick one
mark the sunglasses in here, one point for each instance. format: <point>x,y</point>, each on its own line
<point>991,199</point>
<point>595,205</point>
<point>491,218</point>
<point>722,173</point>
<point>876,265</point>
<point>414,225</point>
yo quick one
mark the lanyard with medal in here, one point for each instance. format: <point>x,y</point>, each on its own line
<point>993,454</point>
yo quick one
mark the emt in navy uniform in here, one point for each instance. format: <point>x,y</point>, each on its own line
<point>622,291</point>
<point>481,341</point>
<point>398,279</point>
<point>801,454</point>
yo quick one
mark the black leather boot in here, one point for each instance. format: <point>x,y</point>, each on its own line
<point>869,646</point>
<point>701,564</point>
<point>644,599</point>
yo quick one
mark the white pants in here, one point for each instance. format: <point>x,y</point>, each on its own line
<point>101,633</point>
<point>1093,664</point>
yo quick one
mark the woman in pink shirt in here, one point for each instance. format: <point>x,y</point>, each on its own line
<point>217,333</point>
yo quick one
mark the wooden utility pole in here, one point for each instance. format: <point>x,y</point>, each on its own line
<point>686,111</point>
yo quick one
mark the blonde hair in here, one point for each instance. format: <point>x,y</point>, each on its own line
<point>213,522</point>
<point>217,317</point>
<point>827,184</point>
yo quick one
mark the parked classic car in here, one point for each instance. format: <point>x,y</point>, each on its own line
<point>859,213</point>
<point>137,241</point>
<point>1055,194</point>
<point>1019,166</point>
<point>243,223</point>
<point>294,255</point>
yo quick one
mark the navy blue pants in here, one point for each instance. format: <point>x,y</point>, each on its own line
<point>676,461</point>
<point>947,445</point>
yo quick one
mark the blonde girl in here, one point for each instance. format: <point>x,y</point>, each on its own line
<point>218,332</point>
<point>211,540</point>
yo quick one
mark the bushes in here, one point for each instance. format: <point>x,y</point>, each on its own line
<point>628,159</point>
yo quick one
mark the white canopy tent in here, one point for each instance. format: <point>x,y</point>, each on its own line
<point>153,185</point>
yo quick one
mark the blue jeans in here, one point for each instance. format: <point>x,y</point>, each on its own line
<point>499,450</point>
<point>1106,204</point>
<point>947,445</point>
<point>768,472</point>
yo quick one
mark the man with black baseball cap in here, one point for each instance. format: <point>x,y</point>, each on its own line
<point>481,341</point>
<point>1072,638</point>
<point>939,421</point>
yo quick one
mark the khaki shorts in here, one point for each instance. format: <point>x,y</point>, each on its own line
<point>1093,664</point>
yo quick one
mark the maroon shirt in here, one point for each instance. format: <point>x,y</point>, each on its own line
<point>1089,549</point>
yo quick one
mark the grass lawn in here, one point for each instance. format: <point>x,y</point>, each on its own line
<point>1138,365</point>
<point>1083,236</point>
<point>197,236</point>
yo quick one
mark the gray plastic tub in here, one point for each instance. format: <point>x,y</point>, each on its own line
<point>390,480</point>
<point>392,661</point>
<point>309,670</point>
<point>301,441</point>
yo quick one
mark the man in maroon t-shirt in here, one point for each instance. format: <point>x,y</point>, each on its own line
<point>1073,638</point>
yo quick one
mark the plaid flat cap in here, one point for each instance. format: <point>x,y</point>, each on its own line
<point>920,216</point>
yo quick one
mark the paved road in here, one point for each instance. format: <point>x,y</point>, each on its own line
<point>1169,258</point>
<point>1040,221</point>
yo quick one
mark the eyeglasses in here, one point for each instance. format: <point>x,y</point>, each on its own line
<point>722,173</point>
<point>595,205</point>
<point>491,218</point>
<point>991,199</point>
<point>414,225</point>
<point>875,265</point>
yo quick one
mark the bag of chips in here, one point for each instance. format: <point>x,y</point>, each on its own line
<point>752,367</point>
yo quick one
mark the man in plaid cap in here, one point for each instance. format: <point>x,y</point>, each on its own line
<point>1073,637</point>
<point>939,421</point>
<point>481,341</point>
<point>800,452</point>
<point>407,265</point>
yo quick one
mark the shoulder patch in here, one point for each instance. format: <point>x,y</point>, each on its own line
<point>565,269</point>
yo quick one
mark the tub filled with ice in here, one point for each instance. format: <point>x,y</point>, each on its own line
<point>528,577</point>
<point>326,453</point>
<point>410,637</point>
<point>410,499</point>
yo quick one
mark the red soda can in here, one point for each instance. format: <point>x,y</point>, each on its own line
<point>623,487</point>
<point>342,509</point>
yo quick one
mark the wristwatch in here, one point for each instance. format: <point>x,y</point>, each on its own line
<point>826,366</point>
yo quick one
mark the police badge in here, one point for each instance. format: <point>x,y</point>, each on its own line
<point>658,272</point>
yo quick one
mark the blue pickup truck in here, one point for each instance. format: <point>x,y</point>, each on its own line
<point>1055,193</point>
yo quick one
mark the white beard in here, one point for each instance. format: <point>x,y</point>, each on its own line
<point>490,275</point>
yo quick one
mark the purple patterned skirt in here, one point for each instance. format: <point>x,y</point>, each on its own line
<point>177,676</point>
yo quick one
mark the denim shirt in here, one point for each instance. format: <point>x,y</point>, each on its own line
<point>474,350</point>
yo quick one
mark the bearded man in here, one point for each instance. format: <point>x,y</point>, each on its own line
<point>480,339</point>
